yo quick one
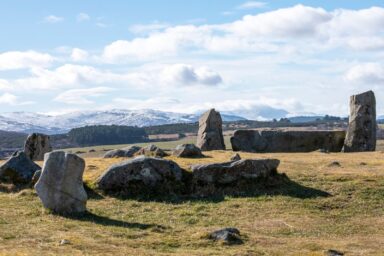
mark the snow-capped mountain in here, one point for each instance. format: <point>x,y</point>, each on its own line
<point>49,124</point>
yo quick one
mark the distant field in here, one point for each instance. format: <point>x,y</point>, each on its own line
<point>297,220</point>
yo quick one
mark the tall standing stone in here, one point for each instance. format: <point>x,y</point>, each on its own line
<point>361,133</point>
<point>60,186</point>
<point>210,135</point>
<point>37,145</point>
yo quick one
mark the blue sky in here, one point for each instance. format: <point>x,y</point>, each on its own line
<point>185,56</point>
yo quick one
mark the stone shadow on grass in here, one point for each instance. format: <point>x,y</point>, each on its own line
<point>276,185</point>
<point>105,221</point>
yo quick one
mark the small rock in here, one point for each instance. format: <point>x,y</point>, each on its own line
<point>332,252</point>
<point>363,163</point>
<point>124,152</point>
<point>64,242</point>
<point>227,235</point>
<point>152,151</point>
<point>334,164</point>
<point>235,157</point>
<point>91,151</point>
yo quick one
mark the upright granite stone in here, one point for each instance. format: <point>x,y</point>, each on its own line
<point>210,134</point>
<point>361,133</point>
<point>60,186</point>
<point>37,145</point>
<point>287,141</point>
<point>18,169</point>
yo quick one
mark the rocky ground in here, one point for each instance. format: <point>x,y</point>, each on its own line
<point>333,201</point>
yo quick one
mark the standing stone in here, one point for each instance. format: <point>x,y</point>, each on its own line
<point>60,186</point>
<point>37,145</point>
<point>361,133</point>
<point>210,135</point>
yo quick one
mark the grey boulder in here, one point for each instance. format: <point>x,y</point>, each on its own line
<point>60,186</point>
<point>143,176</point>
<point>18,169</point>
<point>124,152</point>
<point>210,134</point>
<point>36,145</point>
<point>361,133</point>
<point>187,150</point>
<point>235,178</point>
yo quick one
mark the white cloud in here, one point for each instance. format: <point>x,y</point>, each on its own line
<point>10,99</point>
<point>19,60</point>
<point>79,55</point>
<point>65,76</point>
<point>183,74</point>
<point>80,96</point>
<point>83,17</point>
<point>101,25</point>
<point>299,28</point>
<point>251,5</point>
<point>367,73</point>
<point>53,19</point>
<point>148,28</point>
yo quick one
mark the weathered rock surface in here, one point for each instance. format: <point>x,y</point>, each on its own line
<point>228,236</point>
<point>187,150</point>
<point>235,157</point>
<point>361,133</point>
<point>152,150</point>
<point>143,176</point>
<point>60,186</point>
<point>231,177</point>
<point>19,169</point>
<point>287,141</point>
<point>124,152</point>
<point>210,134</point>
<point>37,145</point>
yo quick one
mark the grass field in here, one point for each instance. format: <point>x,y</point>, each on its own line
<point>325,207</point>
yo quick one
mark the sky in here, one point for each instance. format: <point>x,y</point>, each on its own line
<point>305,57</point>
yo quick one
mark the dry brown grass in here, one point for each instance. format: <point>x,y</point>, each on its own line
<point>298,221</point>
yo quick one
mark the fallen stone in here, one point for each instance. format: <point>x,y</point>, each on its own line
<point>187,150</point>
<point>19,169</point>
<point>287,141</point>
<point>228,236</point>
<point>60,186</point>
<point>235,157</point>
<point>210,134</point>
<point>143,176</point>
<point>152,151</point>
<point>233,178</point>
<point>361,133</point>
<point>37,145</point>
<point>124,152</point>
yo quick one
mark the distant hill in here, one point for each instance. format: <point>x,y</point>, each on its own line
<point>12,140</point>
<point>29,122</point>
